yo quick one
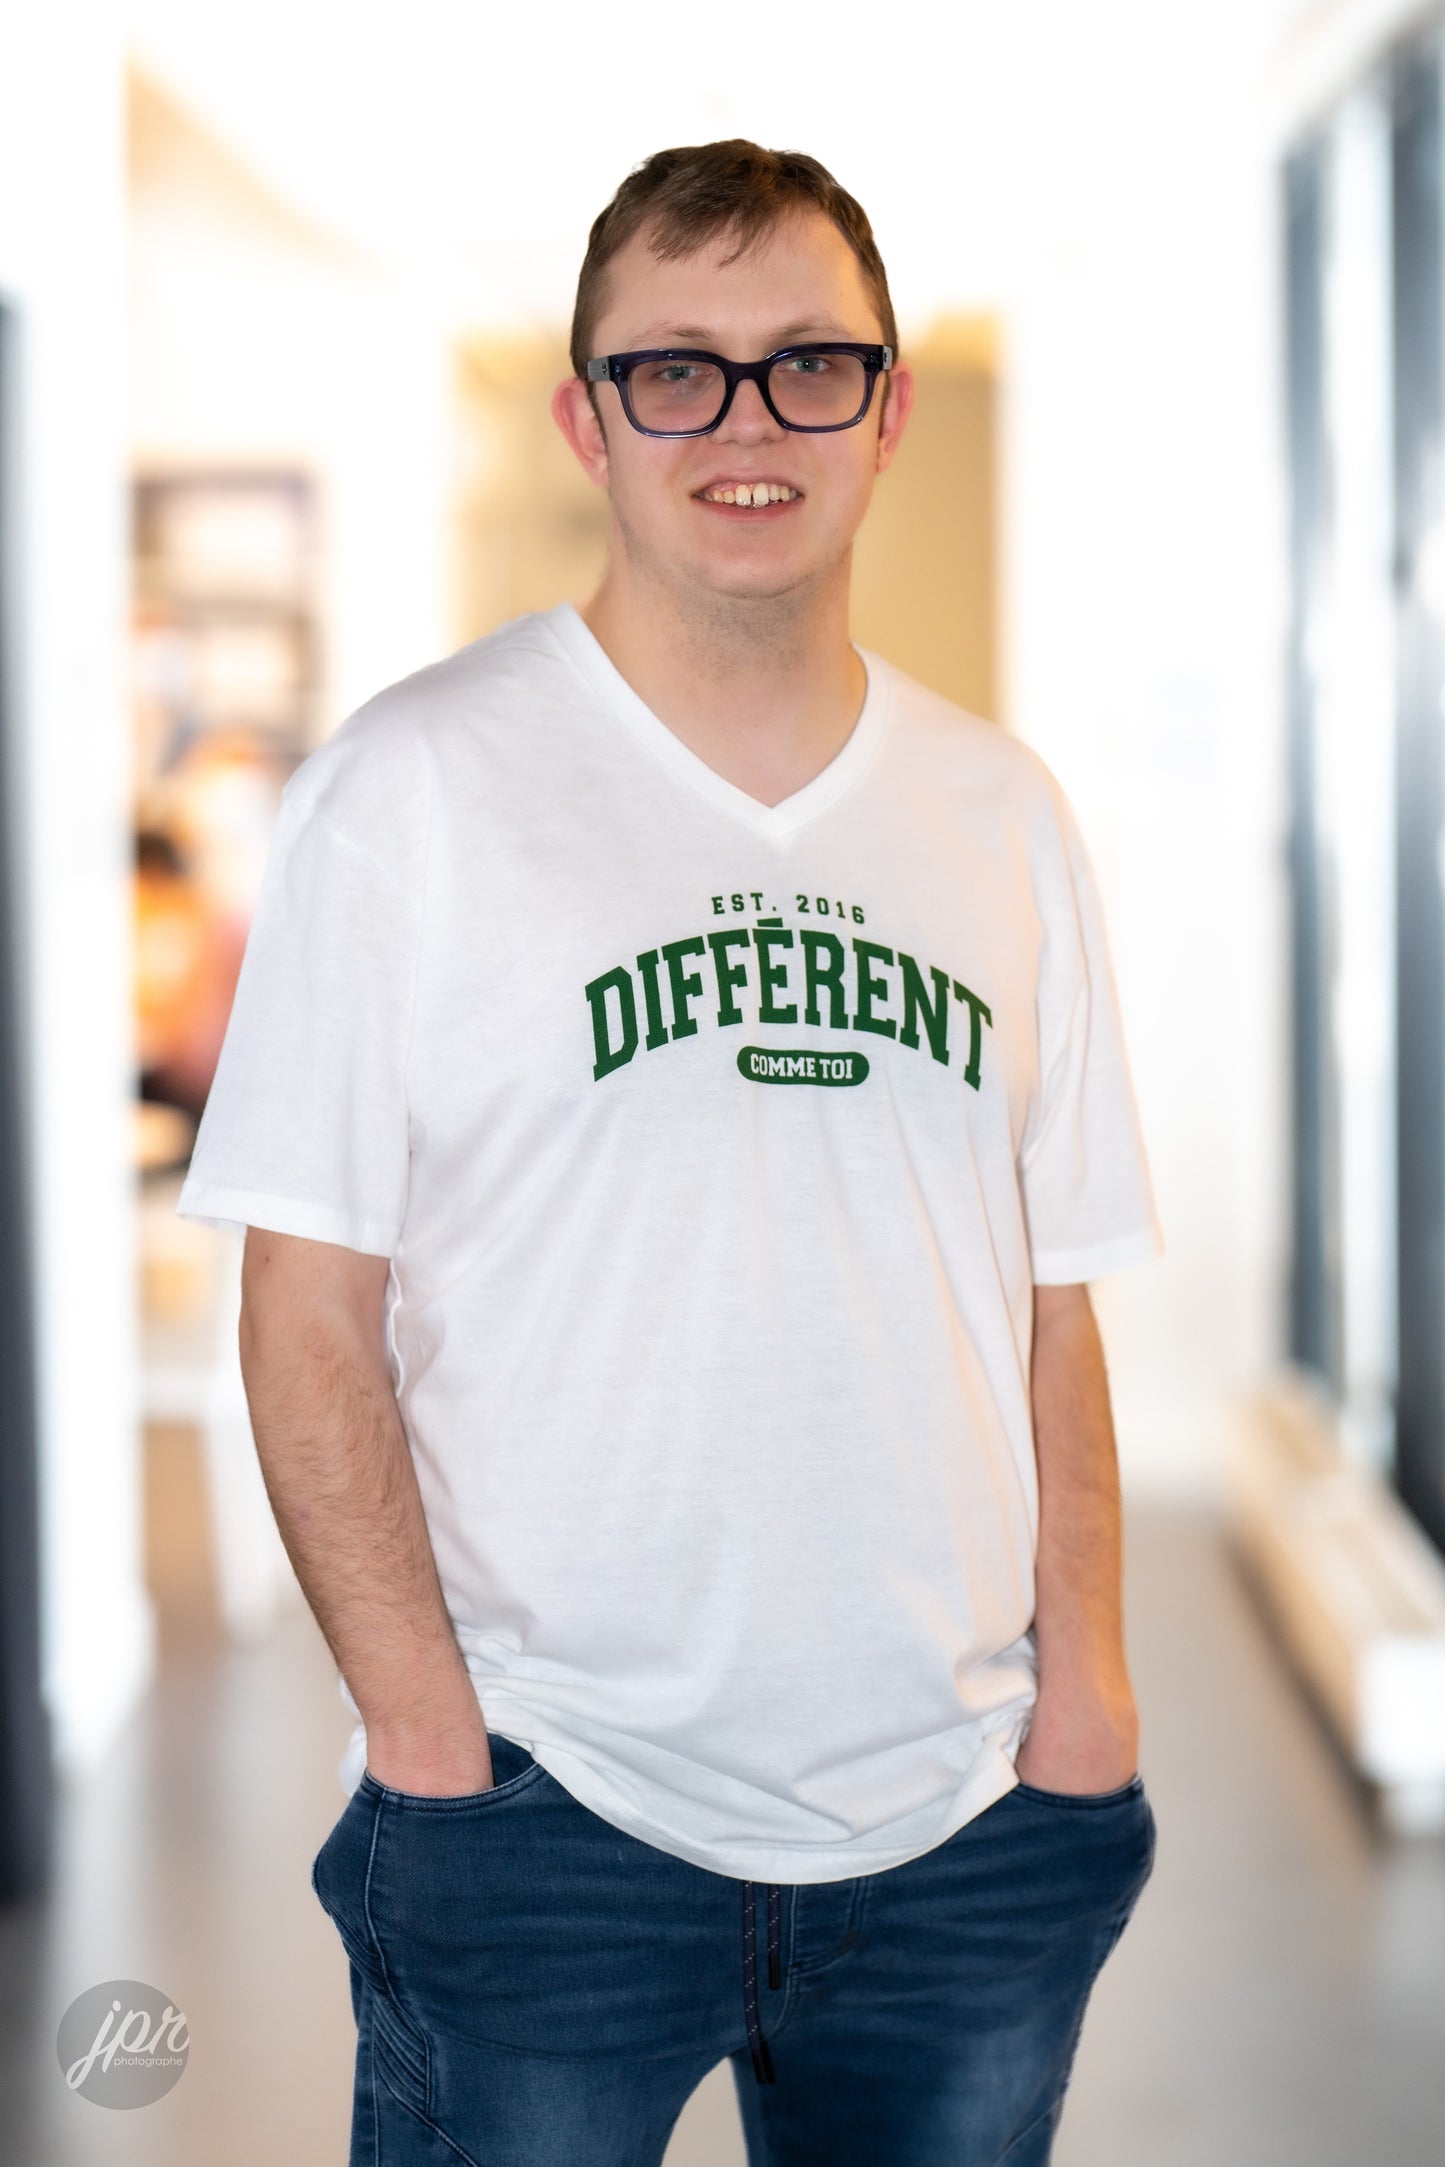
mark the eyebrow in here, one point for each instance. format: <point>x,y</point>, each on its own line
<point>821,326</point>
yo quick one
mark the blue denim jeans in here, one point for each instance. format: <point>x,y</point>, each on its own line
<point>533,1987</point>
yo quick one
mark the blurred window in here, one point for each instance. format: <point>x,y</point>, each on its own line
<point>1364,231</point>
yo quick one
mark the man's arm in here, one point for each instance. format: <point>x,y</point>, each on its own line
<point>1084,1732</point>
<point>339,1474</point>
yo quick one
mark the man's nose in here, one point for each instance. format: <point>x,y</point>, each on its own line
<point>748,413</point>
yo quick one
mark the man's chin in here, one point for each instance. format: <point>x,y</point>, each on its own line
<point>694,578</point>
<point>744,583</point>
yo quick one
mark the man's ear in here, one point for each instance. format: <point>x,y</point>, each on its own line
<point>897,405</point>
<point>575,416</point>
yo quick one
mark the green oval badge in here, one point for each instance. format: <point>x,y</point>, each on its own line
<point>763,1064</point>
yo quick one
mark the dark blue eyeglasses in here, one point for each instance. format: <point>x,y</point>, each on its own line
<point>685,391</point>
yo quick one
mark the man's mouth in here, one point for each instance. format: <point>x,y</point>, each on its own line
<point>760,495</point>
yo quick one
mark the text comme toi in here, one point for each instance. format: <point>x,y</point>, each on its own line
<point>840,988</point>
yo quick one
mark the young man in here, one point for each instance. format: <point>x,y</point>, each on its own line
<point>677,1092</point>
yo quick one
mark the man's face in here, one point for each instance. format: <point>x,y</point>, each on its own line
<point>802,283</point>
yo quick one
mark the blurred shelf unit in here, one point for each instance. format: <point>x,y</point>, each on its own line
<point>227,634</point>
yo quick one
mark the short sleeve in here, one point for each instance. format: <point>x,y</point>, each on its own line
<point>305,1129</point>
<point>1083,1166</point>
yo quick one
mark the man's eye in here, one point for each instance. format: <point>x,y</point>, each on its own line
<point>672,372</point>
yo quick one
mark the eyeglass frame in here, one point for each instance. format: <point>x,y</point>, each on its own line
<point>617,368</point>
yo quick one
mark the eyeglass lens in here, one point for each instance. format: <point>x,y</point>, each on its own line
<point>812,390</point>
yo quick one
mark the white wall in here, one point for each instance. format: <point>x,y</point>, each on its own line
<point>1144,576</point>
<point>61,269</point>
<point>258,335</point>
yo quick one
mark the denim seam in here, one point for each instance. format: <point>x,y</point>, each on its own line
<point>1071,2052</point>
<point>436,2129</point>
<point>1029,2128</point>
<point>390,1988</point>
<point>375,2090</point>
<point>807,1968</point>
<point>401,2052</point>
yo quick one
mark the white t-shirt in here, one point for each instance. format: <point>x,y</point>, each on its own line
<point>716,1148</point>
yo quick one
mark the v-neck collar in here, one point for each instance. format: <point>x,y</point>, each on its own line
<point>847,764</point>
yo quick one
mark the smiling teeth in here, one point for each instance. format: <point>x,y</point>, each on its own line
<point>759,493</point>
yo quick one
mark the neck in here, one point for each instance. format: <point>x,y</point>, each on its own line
<point>765,689</point>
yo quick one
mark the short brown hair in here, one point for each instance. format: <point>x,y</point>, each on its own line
<point>694,193</point>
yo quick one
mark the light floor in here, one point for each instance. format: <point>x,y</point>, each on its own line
<point>1278,1999</point>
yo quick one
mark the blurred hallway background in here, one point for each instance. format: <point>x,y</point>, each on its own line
<point>283,296</point>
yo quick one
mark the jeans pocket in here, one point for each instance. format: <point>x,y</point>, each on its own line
<point>1122,1792</point>
<point>513,1769</point>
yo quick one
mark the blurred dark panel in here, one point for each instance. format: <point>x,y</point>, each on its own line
<point>25,1758</point>
<point>1419,392</point>
<point>1315,1281</point>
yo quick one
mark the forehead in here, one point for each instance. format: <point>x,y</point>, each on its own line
<point>801,280</point>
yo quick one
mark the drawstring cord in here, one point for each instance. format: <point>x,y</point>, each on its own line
<point>762,2060</point>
